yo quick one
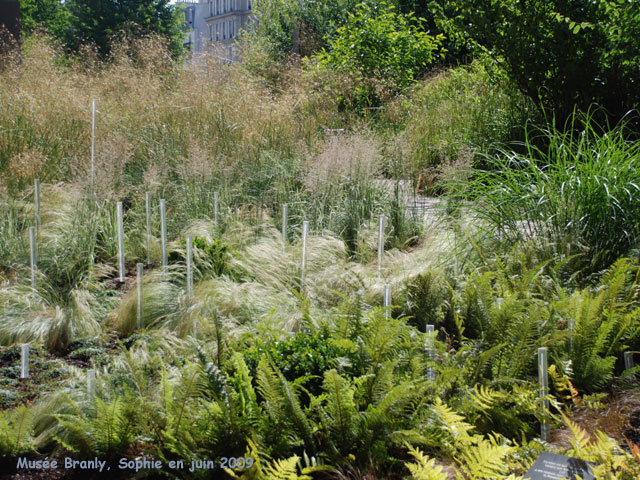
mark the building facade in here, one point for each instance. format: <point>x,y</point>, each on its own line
<point>215,25</point>
<point>225,20</point>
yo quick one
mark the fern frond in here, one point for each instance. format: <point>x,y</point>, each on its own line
<point>484,398</point>
<point>454,424</point>
<point>485,460</point>
<point>424,468</point>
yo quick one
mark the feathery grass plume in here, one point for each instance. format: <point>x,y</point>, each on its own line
<point>266,263</point>
<point>29,316</point>
<point>248,303</point>
<point>163,303</point>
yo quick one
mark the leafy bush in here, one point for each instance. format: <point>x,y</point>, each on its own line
<point>377,42</point>
<point>306,355</point>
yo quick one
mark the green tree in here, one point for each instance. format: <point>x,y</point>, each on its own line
<point>379,42</point>
<point>97,21</point>
<point>314,22</point>
<point>50,15</point>
<point>563,53</point>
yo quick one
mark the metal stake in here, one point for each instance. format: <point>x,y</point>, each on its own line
<point>139,275</point>
<point>387,300</point>
<point>24,363</point>
<point>431,374</point>
<point>93,143</point>
<point>189,267</point>
<point>380,243</point>
<point>285,216</point>
<point>303,265</point>
<point>147,207</point>
<point>163,231</point>
<point>216,207</point>
<point>543,377</point>
<point>32,255</point>
<point>120,242</point>
<point>36,202</point>
<point>91,382</point>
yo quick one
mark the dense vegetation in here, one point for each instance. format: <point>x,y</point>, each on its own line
<point>533,243</point>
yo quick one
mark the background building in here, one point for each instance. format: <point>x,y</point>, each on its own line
<point>216,24</point>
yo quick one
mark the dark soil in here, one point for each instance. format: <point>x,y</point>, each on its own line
<point>632,432</point>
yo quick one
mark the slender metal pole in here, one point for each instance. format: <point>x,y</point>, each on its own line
<point>163,231</point>
<point>91,382</point>
<point>189,267</point>
<point>147,208</point>
<point>93,143</point>
<point>387,300</point>
<point>216,207</point>
<point>572,323</point>
<point>431,374</point>
<point>303,265</point>
<point>543,377</point>
<point>120,241</point>
<point>24,363</point>
<point>36,202</point>
<point>285,217</point>
<point>380,243</point>
<point>139,275</point>
<point>32,255</point>
<point>628,360</point>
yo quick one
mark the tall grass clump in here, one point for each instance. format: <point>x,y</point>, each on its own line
<point>452,116</point>
<point>577,196</point>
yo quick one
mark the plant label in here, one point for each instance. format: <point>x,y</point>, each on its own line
<point>550,466</point>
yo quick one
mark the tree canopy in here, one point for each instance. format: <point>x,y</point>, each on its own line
<point>78,22</point>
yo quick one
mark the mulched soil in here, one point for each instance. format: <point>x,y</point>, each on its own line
<point>632,432</point>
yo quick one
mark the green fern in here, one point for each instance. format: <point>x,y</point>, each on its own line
<point>424,468</point>
<point>16,431</point>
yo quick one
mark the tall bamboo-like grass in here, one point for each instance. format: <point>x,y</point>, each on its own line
<point>578,195</point>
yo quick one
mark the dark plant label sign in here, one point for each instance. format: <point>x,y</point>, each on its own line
<point>549,466</point>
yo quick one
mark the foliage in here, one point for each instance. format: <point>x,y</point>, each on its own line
<point>108,432</point>
<point>378,42</point>
<point>44,14</point>
<point>16,432</point>
<point>138,18</point>
<point>208,256</point>
<point>312,23</point>
<point>563,54</point>
<point>305,356</point>
<point>455,118</point>
<point>573,197</point>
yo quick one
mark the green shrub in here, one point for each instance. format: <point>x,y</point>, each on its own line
<point>303,355</point>
<point>455,116</point>
<point>377,44</point>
